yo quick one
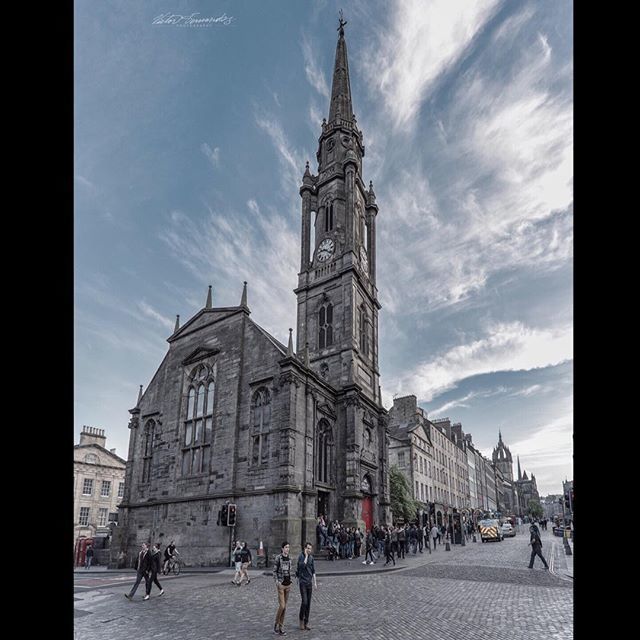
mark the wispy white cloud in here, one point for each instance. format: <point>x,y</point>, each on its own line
<point>118,337</point>
<point>315,118</point>
<point>312,69</point>
<point>265,252</point>
<point>531,390</point>
<point>508,203</point>
<point>84,182</point>
<point>511,27</point>
<point>212,155</point>
<point>291,161</point>
<point>423,40</point>
<point>149,311</point>
<point>462,402</point>
<point>505,347</point>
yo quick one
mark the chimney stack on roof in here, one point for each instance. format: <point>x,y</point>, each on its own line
<point>92,435</point>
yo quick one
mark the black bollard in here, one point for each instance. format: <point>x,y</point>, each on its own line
<point>474,538</point>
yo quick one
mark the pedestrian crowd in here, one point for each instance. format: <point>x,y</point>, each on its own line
<point>394,541</point>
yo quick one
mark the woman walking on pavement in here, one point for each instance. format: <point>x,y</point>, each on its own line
<point>245,559</point>
<point>306,573</point>
<point>282,577</point>
<point>237,559</point>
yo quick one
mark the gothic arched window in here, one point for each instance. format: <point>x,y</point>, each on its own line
<point>147,451</point>
<point>260,426</point>
<point>324,452</point>
<point>328,217</point>
<point>198,425</point>
<point>364,326</point>
<point>325,326</point>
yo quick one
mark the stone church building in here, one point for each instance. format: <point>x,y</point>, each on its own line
<point>232,415</point>
<point>503,461</point>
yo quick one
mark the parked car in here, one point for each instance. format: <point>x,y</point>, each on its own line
<point>507,530</point>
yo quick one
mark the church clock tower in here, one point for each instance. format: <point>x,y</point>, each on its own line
<point>337,295</point>
<point>337,326</point>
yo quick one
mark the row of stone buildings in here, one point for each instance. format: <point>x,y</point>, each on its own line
<point>447,473</point>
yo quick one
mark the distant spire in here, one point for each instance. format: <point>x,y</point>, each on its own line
<point>290,347</point>
<point>524,476</point>
<point>307,178</point>
<point>371,196</point>
<point>243,301</point>
<point>208,304</point>
<point>519,472</point>
<point>499,436</point>
<point>175,329</point>
<point>341,89</point>
<point>306,355</point>
<point>139,396</point>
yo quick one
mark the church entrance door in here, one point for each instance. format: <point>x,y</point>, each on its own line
<point>323,505</point>
<point>367,512</point>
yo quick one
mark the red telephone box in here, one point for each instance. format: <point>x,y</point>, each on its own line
<point>81,550</point>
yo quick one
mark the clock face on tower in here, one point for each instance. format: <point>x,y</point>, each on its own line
<point>325,249</point>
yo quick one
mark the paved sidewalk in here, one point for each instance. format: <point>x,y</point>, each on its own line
<point>323,567</point>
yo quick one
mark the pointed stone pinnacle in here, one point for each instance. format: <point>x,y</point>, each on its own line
<point>243,301</point>
<point>208,303</point>
<point>139,396</point>
<point>175,329</point>
<point>290,347</point>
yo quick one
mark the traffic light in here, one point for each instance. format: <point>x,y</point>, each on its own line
<point>224,515</point>
<point>231,521</point>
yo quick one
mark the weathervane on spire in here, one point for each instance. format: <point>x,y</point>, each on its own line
<point>342,23</point>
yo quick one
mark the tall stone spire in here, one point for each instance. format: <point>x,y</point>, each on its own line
<point>499,436</point>
<point>175,329</point>
<point>208,303</point>
<point>341,89</point>
<point>519,472</point>
<point>139,396</point>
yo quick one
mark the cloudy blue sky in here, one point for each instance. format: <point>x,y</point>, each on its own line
<point>190,145</point>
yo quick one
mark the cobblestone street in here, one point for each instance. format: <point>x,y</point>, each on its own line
<point>484,591</point>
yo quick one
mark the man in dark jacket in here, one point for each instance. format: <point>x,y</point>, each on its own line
<point>88,557</point>
<point>142,570</point>
<point>536,546</point>
<point>155,566</point>
<point>306,574</point>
